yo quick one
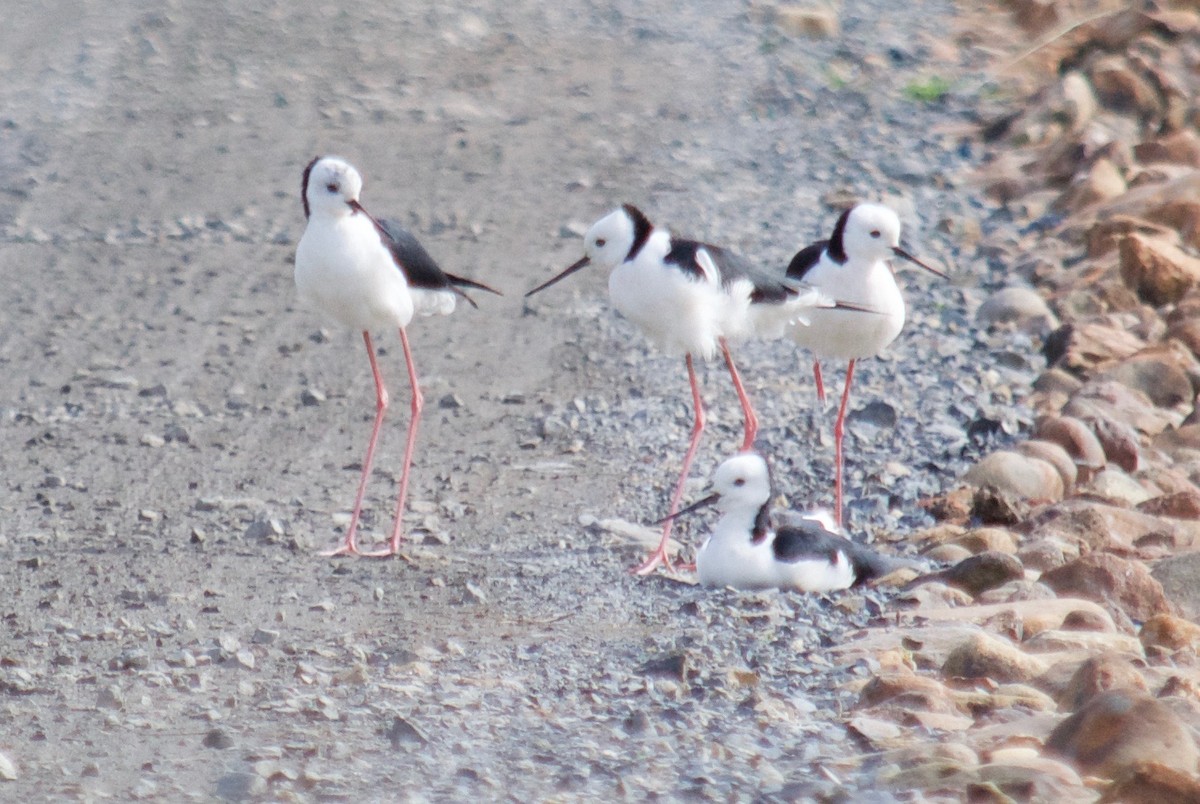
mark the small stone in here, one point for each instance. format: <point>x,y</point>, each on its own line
<point>1108,671</point>
<point>152,440</point>
<point>218,739</point>
<point>264,636</point>
<point>311,397</point>
<point>814,22</point>
<point>981,572</point>
<point>986,656</point>
<point>673,666</point>
<point>1106,578</point>
<point>270,530</point>
<point>450,402</point>
<point>1117,729</point>
<point>1151,782</point>
<point>1056,456</point>
<point>401,732</point>
<point>149,515</point>
<point>8,768</point>
<point>1018,306</point>
<point>1180,505</point>
<point>110,697</point>
<point>1017,474</point>
<point>1074,436</point>
<point>1180,579</point>
<point>1159,271</point>
<point>1170,632</point>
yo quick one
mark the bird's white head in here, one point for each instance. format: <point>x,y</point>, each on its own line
<point>610,239</point>
<point>743,482</point>
<point>330,185</point>
<point>872,233</point>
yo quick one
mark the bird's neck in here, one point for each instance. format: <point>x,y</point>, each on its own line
<point>745,521</point>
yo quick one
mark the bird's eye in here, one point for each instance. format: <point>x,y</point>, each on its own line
<point>741,481</point>
<point>875,233</point>
<point>333,188</point>
<point>600,241</point>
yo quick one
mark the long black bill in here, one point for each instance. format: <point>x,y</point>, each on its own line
<point>574,267</point>
<point>899,252</point>
<point>709,500</point>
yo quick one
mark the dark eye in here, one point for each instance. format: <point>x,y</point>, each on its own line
<point>333,188</point>
<point>600,241</point>
<point>741,481</point>
<point>875,233</point>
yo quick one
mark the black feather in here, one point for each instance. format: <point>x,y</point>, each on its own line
<point>809,540</point>
<point>837,246</point>
<point>419,268</point>
<point>641,229</point>
<point>304,184</point>
<point>805,259</point>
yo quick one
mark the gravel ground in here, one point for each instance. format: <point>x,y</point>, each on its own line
<point>179,438</point>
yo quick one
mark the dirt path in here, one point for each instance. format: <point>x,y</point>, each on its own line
<point>168,631</point>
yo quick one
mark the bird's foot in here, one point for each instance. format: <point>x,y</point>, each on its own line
<point>650,564</point>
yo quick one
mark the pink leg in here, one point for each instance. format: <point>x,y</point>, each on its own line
<point>820,384</point>
<point>418,402</point>
<point>659,556</point>
<point>839,430</point>
<point>349,545</point>
<point>748,416</point>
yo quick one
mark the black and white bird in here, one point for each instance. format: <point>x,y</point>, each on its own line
<point>746,551</point>
<point>852,266</point>
<point>688,298</point>
<point>369,274</point>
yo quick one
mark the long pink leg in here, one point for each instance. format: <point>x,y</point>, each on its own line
<point>820,383</point>
<point>418,403</point>
<point>659,556</point>
<point>839,430</point>
<point>751,420</point>
<point>349,545</point>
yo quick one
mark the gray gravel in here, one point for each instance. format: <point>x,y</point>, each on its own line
<point>179,438</point>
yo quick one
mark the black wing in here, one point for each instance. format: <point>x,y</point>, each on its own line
<point>809,540</point>
<point>419,268</point>
<point>732,267</point>
<point>805,259</point>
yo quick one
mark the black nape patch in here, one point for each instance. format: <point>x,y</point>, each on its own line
<point>837,245</point>
<point>304,185</point>
<point>762,523</point>
<point>641,229</point>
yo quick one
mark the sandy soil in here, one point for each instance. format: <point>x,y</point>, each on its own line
<point>179,438</point>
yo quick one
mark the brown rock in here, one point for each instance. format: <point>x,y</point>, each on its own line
<point>1160,272</point>
<point>1152,783</point>
<point>1021,307</point>
<point>1117,729</point>
<point>1105,235</point>
<point>1108,671</point>
<point>986,656</point>
<point>1082,347</point>
<point>947,553</point>
<point>1017,474</point>
<point>1101,183</point>
<point>1170,632</point>
<point>1180,504</point>
<point>1121,89</point>
<point>977,540</point>
<point>1086,620</point>
<point>1101,398</point>
<point>1056,456</point>
<point>1119,441</point>
<point>813,21</point>
<point>1180,148</point>
<point>919,692</point>
<point>1045,554</point>
<point>1109,579</point>
<point>1034,16</point>
<point>1077,439</point>
<point>1180,579</point>
<point>982,572</point>
<point>1158,373</point>
<point>1057,381</point>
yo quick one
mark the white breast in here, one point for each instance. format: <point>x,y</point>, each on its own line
<point>816,575</point>
<point>679,312</point>
<point>343,270</point>
<point>732,559</point>
<point>849,334</point>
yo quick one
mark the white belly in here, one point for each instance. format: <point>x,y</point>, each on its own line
<point>679,314</point>
<point>344,271</point>
<point>816,575</point>
<point>734,560</point>
<point>849,334</point>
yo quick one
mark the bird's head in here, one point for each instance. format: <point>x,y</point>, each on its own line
<point>331,185</point>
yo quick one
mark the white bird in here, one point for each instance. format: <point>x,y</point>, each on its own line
<point>688,298</point>
<point>745,551</point>
<point>852,267</point>
<point>368,274</point>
